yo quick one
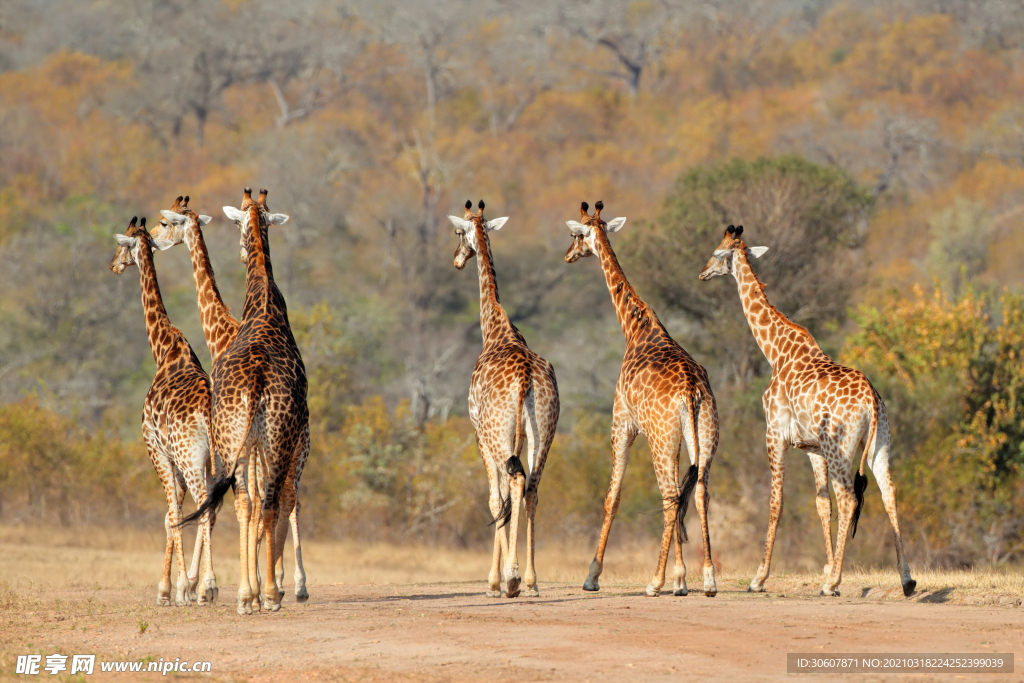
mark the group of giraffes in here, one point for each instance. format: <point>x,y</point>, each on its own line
<point>829,411</point>
<point>245,426</point>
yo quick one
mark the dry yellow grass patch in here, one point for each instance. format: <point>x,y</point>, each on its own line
<point>53,557</point>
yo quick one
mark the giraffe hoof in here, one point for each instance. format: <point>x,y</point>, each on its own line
<point>753,588</point>
<point>591,585</point>
<point>163,601</point>
<point>531,592</point>
<point>301,595</point>
<point>494,594</point>
<point>211,594</point>
<point>711,593</point>
<point>512,588</point>
<point>681,592</point>
<point>827,593</point>
<point>651,591</point>
<point>908,588</point>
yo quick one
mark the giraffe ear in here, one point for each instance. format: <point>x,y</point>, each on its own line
<point>162,244</point>
<point>236,215</point>
<point>460,223</point>
<point>576,228</point>
<point>758,252</point>
<point>616,223</point>
<point>278,218</point>
<point>126,241</point>
<point>203,220</point>
<point>496,223</point>
<point>172,217</point>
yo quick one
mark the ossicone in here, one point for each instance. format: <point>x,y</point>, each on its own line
<point>480,205</point>
<point>135,219</point>
<point>469,204</point>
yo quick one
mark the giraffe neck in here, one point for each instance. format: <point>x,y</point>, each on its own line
<point>631,311</point>
<point>219,326</point>
<point>778,337</point>
<point>493,320</point>
<point>258,273</point>
<point>158,326</point>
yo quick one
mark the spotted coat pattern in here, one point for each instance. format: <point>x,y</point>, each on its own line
<point>175,425</point>
<point>662,393</point>
<point>819,406</point>
<point>513,392</point>
<point>182,225</point>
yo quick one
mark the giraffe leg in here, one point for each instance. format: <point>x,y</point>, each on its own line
<point>163,591</point>
<point>182,596</point>
<point>880,468</point>
<point>623,435</point>
<point>287,502</point>
<point>530,575</point>
<point>517,487</point>
<point>842,483</point>
<point>703,498</point>
<point>776,452</point>
<point>679,587</point>
<point>193,571</point>
<point>256,482</point>
<point>494,502</point>
<point>243,510</point>
<point>666,468</point>
<point>301,594</point>
<point>707,432</point>
<point>654,587</point>
<point>210,590</point>
<point>542,414</point>
<point>824,503</point>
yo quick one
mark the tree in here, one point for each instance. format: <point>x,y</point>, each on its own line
<point>811,217</point>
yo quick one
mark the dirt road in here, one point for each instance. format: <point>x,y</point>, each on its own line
<point>451,632</point>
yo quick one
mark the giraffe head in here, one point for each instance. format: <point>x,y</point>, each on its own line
<point>241,217</point>
<point>128,245</point>
<point>584,231</point>
<point>180,223</point>
<point>723,261</point>
<point>466,229</point>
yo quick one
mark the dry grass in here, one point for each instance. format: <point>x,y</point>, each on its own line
<point>49,557</point>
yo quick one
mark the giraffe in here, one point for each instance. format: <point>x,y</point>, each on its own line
<point>513,390</point>
<point>665,395</point>
<point>175,421</point>
<point>260,416</point>
<point>812,403</point>
<point>181,224</point>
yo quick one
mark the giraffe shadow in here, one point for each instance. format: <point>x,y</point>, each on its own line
<point>939,596</point>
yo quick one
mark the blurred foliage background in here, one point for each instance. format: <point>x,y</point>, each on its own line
<point>877,148</point>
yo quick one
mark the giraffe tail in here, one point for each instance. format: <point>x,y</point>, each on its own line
<point>682,500</point>
<point>860,479</point>
<point>514,466</point>
<point>215,497</point>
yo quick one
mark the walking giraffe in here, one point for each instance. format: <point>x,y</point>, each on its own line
<point>260,416</point>
<point>181,224</point>
<point>513,391</point>
<point>662,393</point>
<point>175,421</point>
<point>812,403</point>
